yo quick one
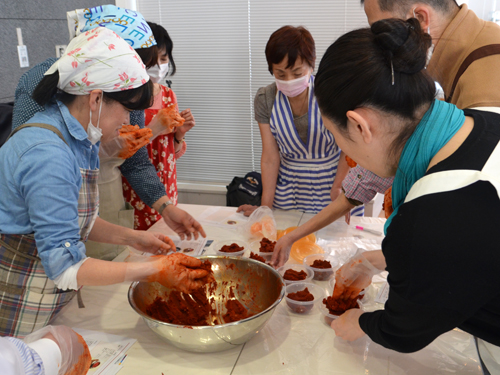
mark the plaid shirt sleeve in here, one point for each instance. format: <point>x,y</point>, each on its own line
<point>140,172</point>
<point>362,185</point>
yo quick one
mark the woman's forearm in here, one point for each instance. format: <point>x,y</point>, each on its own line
<point>326,216</point>
<point>106,232</point>
<point>270,169</point>
<point>342,170</point>
<point>101,272</point>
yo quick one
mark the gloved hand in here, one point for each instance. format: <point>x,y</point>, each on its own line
<point>179,271</point>
<point>165,121</point>
<point>128,141</point>
<point>354,276</point>
<point>74,351</point>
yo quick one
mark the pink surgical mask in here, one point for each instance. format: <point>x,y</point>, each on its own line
<point>294,87</point>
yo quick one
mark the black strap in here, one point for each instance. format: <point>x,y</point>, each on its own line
<point>43,126</point>
<point>484,51</point>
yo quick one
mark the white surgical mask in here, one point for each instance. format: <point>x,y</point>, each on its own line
<point>294,87</point>
<point>94,132</point>
<point>157,72</point>
<point>429,51</point>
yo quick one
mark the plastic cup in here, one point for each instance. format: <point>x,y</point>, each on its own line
<point>322,274</point>
<point>219,244</point>
<point>303,307</point>
<point>255,247</point>
<point>298,268</point>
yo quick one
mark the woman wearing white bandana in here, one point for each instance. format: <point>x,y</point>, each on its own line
<point>48,188</point>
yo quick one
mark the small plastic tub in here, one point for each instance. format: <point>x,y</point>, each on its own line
<point>255,247</point>
<point>298,268</point>
<point>322,274</point>
<point>303,307</point>
<point>327,317</point>
<point>219,244</point>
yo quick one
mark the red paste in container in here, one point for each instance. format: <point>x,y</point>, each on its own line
<point>293,275</point>
<point>183,309</point>
<point>257,257</point>
<point>266,245</point>
<point>196,309</point>
<point>322,270</point>
<point>340,305</point>
<point>233,248</point>
<point>318,263</point>
<point>301,295</point>
<point>235,311</point>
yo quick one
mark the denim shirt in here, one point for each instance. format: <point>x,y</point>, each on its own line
<point>40,182</point>
<point>138,170</point>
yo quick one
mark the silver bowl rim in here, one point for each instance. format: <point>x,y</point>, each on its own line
<point>145,316</point>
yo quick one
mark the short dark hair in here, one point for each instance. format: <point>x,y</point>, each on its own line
<point>292,41</point>
<point>404,6</point>
<point>139,98</point>
<point>163,42</point>
<point>149,56</point>
<point>357,71</point>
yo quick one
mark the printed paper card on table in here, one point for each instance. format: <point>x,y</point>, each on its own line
<point>108,351</point>
<point>225,217</point>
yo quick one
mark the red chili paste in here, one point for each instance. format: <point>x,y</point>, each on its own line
<point>266,245</point>
<point>233,248</point>
<point>293,275</point>
<point>235,311</point>
<point>257,257</point>
<point>318,263</point>
<point>302,295</point>
<point>183,309</point>
<point>341,305</point>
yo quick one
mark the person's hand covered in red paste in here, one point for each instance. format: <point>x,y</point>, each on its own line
<point>129,140</point>
<point>75,354</point>
<point>180,272</point>
<point>166,121</point>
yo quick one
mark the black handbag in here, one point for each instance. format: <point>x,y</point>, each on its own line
<point>244,190</point>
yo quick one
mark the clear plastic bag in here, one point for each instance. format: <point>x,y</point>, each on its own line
<point>261,224</point>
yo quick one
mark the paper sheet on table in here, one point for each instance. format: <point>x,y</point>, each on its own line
<point>108,351</point>
<point>225,217</point>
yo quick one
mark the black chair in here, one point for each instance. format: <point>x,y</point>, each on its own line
<point>5,121</point>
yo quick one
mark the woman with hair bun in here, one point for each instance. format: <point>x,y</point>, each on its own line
<point>377,99</point>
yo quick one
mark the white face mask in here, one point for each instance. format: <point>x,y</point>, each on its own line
<point>94,132</point>
<point>157,72</point>
<point>294,87</point>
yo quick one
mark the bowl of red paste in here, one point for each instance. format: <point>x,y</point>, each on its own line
<point>323,266</point>
<point>295,273</point>
<point>232,247</point>
<point>218,316</point>
<point>263,248</point>
<point>301,297</point>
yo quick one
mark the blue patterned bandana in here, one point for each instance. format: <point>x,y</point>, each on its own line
<point>128,24</point>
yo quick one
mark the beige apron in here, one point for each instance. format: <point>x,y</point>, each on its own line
<point>112,207</point>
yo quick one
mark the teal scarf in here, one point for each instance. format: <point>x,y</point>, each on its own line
<point>439,124</point>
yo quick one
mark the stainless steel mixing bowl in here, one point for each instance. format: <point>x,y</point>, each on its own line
<point>256,285</point>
